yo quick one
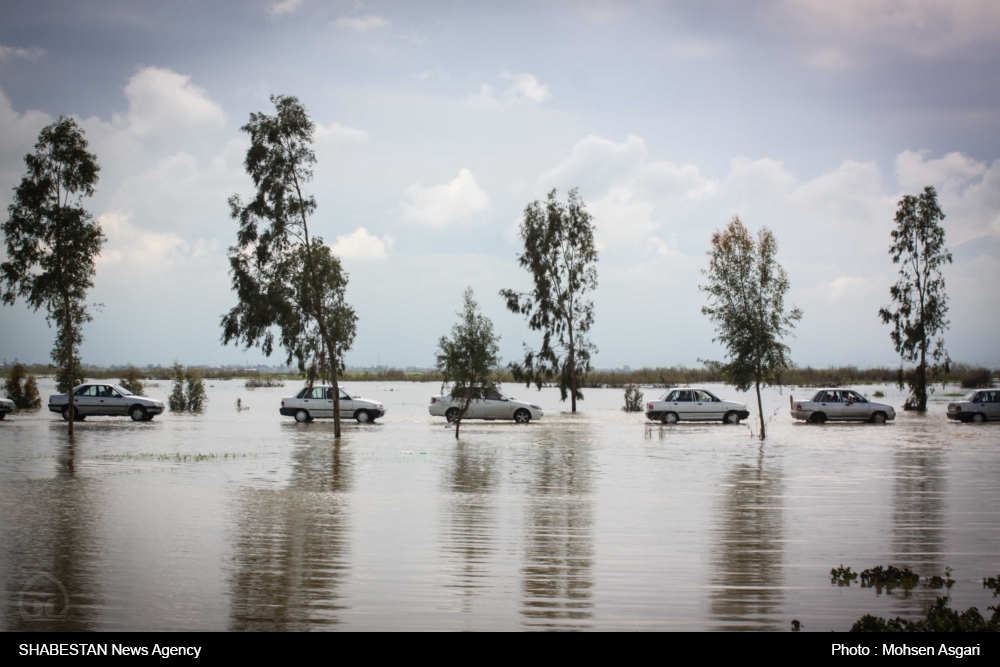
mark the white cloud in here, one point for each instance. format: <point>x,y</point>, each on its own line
<point>441,205</point>
<point>7,52</point>
<point>524,90</point>
<point>285,6</point>
<point>130,246</point>
<point>663,248</point>
<point>362,23</point>
<point>161,99</point>
<point>18,134</point>
<point>341,136</point>
<point>363,246</point>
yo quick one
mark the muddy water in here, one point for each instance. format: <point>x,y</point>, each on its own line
<point>249,521</point>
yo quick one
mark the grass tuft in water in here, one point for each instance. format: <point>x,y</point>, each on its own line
<point>842,576</point>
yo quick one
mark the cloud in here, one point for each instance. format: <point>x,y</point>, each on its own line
<point>161,99</point>
<point>341,136</point>
<point>441,205</point>
<point>285,7</point>
<point>362,23</point>
<point>837,32</point>
<point>968,191</point>
<point>18,134</point>
<point>8,52</point>
<point>524,90</point>
<point>363,246</point>
<point>130,246</point>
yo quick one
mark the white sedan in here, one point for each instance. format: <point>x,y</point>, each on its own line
<point>317,402</point>
<point>694,405</point>
<point>841,405</point>
<point>6,407</point>
<point>110,400</point>
<point>494,405</point>
<point>977,406</point>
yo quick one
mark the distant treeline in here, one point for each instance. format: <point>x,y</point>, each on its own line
<point>965,374</point>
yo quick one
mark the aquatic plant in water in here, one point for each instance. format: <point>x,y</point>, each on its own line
<point>889,577</point>
<point>842,576</point>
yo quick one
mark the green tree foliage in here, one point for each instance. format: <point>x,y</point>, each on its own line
<point>177,400</point>
<point>22,389</point>
<point>559,252</point>
<point>919,302</point>
<point>52,241</point>
<point>746,302</point>
<point>196,396</point>
<point>131,379</point>
<point>470,360</point>
<point>283,276</point>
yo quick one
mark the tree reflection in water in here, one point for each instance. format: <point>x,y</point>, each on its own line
<point>470,517</point>
<point>746,592</point>
<point>918,518</point>
<point>51,549</point>
<point>292,544</point>
<point>557,576</point>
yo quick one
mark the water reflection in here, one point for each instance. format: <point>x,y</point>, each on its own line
<point>918,515</point>
<point>746,563</point>
<point>470,518</point>
<point>557,577</point>
<point>292,544</point>
<point>52,545</point>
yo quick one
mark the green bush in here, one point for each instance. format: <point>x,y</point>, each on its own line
<point>22,389</point>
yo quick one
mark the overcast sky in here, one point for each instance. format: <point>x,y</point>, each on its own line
<point>436,123</point>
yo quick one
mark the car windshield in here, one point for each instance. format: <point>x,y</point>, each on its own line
<point>970,396</point>
<point>121,390</point>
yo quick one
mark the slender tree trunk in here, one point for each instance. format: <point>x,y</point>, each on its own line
<point>465,408</point>
<point>572,367</point>
<point>69,360</point>
<point>760,412</point>
<point>922,378</point>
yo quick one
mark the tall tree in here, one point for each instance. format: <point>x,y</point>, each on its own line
<point>470,359</point>
<point>919,302</point>
<point>559,252</point>
<point>53,241</point>
<point>282,274</point>
<point>746,302</point>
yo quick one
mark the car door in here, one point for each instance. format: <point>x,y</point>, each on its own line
<point>114,403</point>
<point>346,405</point>
<point>707,407</point>
<point>856,407</point>
<point>85,400</point>
<point>989,404</point>
<point>314,400</point>
<point>477,409</point>
<point>684,405</point>
<point>496,406</point>
<point>832,406</point>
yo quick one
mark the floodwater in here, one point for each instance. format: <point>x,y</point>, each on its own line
<point>249,521</point>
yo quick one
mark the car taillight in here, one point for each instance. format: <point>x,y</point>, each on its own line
<point>282,404</point>
<point>958,408</point>
<point>798,406</point>
<point>650,406</point>
<point>433,400</point>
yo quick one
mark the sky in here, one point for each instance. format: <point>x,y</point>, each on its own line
<point>438,122</point>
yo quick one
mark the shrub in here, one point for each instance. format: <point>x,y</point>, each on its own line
<point>22,389</point>
<point>196,397</point>
<point>633,398</point>
<point>259,383</point>
<point>177,399</point>
<point>978,378</point>
<point>130,380</point>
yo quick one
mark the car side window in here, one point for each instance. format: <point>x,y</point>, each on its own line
<point>113,394</point>
<point>493,396</point>
<point>684,396</point>
<point>990,397</point>
<point>82,391</point>
<point>832,397</point>
<point>704,397</point>
<point>858,398</point>
<point>344,396</point>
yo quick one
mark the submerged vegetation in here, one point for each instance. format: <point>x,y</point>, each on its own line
<point>263,382</point>
<point>938,616</point>
<point>22,389</point>
<point>633,398</point>
<point>188,392</point>
<point>131,379</point>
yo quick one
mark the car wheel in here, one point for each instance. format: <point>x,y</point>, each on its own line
<point>878,418</point>
<point>2,415</point>
<point>818,418</point>
<point>978,418</point>
<point>731,418</point>
<point>76,413</point>
<point>669,417</point>
<point>362,416</point>
<point>302,416</point>
<point>137,413</point>
<point>451,415</point>
<point>522,416</point>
